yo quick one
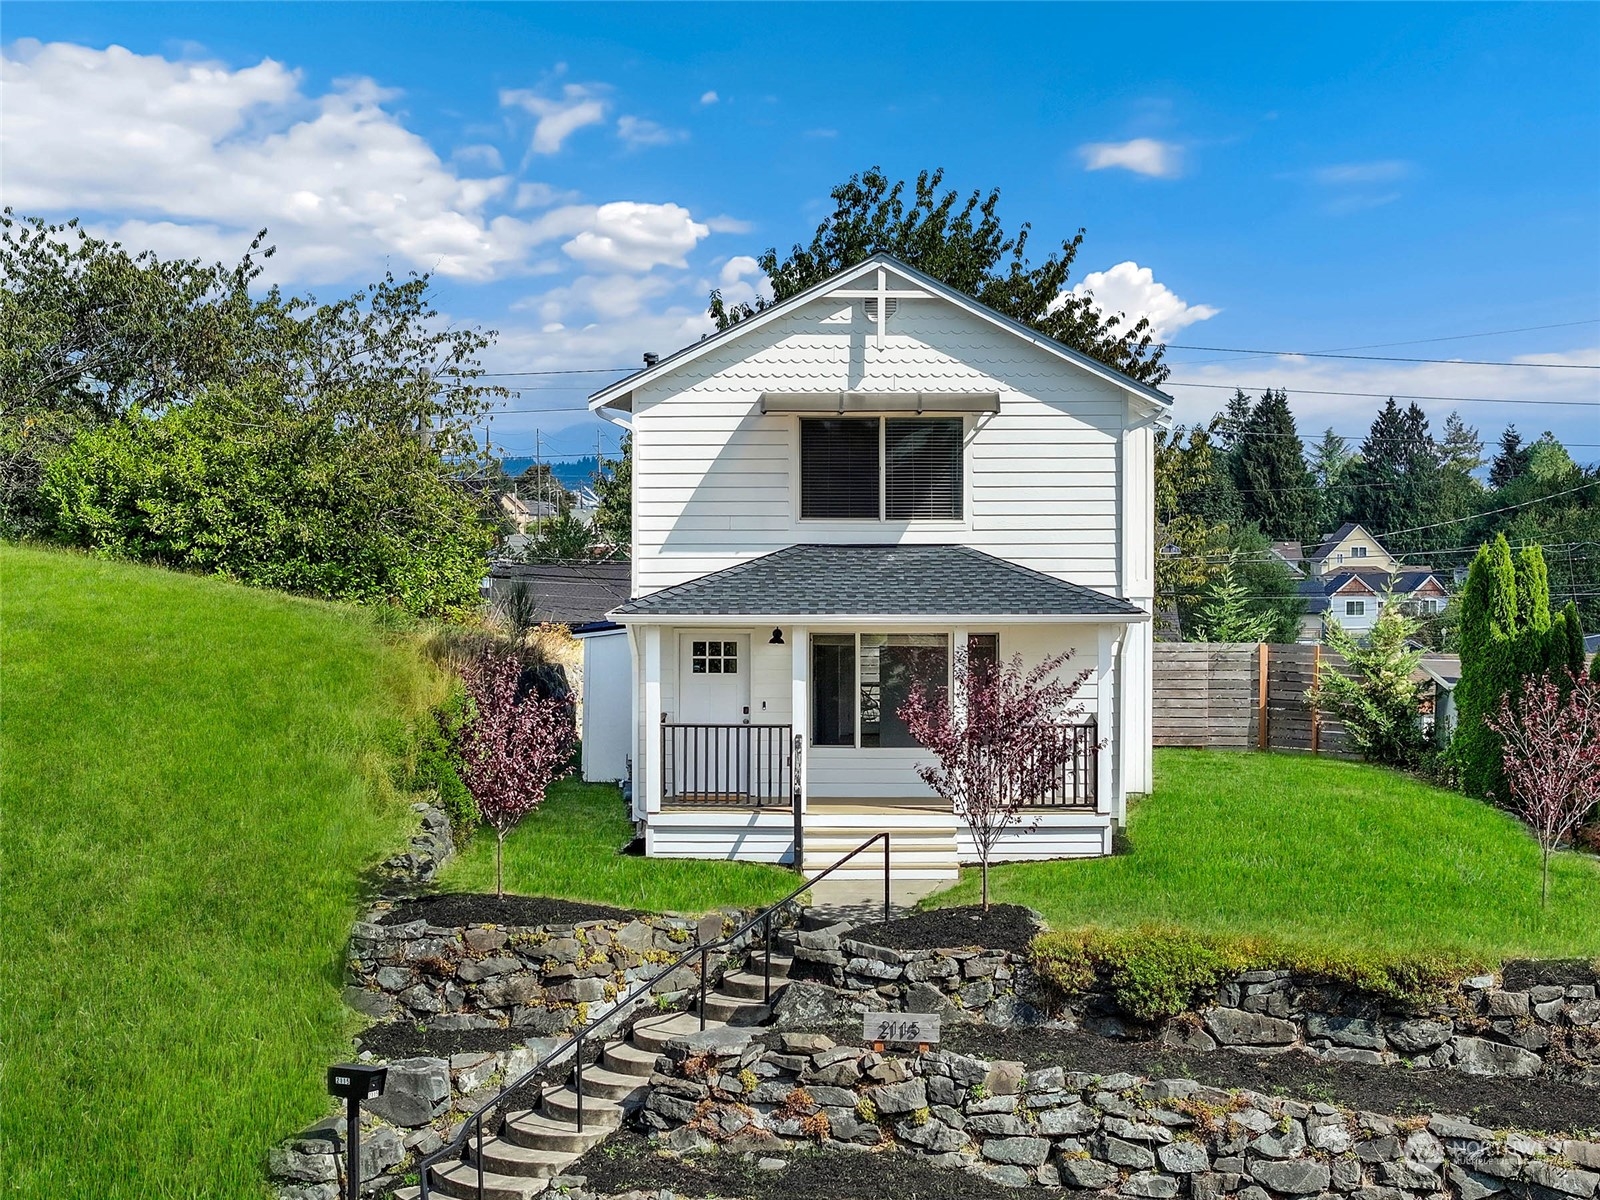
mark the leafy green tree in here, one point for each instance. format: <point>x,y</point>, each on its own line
<point>613,488</point>
<point>962,244</point>
<point>245,482</point>
<point>1511,461</point>
<point>1270,470</point>
<point>539,483</point>
<point>561,538</point>
<point>1377,700</point>
<point>1268,582</point>
<point>157,409</point>
<point>1228,614</point>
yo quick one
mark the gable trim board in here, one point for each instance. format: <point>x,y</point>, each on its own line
<point>618,397</point>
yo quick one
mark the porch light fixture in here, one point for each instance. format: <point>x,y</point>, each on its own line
<point>776,639</point>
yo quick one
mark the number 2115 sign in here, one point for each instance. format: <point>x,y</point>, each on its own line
<point>915,1029</point>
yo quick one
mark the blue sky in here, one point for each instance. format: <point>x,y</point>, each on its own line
<point>1290,177</point>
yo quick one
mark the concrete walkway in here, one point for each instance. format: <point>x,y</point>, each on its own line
<point>862,900</point>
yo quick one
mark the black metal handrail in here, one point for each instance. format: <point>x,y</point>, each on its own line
<point>474,1124</point>
<point>710,763</point>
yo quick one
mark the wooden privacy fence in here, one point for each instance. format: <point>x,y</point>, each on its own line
<point>1241,696</point>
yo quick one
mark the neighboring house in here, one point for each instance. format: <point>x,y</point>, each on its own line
<point>1439,674</point>
<point>576,594</point>
<point>829,499</point>
<point>1351,576</point>
<point>1292,555</point>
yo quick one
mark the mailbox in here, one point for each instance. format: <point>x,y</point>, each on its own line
<point>353,1081</point>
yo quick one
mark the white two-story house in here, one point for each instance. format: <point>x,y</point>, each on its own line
<point>828,500</point>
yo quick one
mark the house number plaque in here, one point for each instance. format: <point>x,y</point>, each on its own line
<point>915,1029</point>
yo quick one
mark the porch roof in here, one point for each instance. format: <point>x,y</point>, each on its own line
<point>880,581</point>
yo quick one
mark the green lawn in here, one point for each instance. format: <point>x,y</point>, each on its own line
<point>1317,852</point>
<point>194,776</point>
<point>569,848</point>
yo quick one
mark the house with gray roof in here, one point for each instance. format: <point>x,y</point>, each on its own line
<point>846,498</point>
<point>1350,577</point>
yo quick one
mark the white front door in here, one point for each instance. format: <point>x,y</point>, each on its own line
<point>711,752</point>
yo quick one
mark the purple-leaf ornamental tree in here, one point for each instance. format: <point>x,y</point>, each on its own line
<point>513,745</point>
<point>1550,738</point>
<point>1000,743</point>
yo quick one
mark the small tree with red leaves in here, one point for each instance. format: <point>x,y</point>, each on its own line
<point>1001,747</point>
<point>1551,744</point>
<point>513,745</point>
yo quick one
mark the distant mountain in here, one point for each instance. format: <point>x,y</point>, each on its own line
<point>572,472</point>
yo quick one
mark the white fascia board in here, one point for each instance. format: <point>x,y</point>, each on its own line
<point>853,620</point>
<point>618,396</point>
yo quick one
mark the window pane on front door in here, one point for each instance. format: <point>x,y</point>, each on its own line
<point>833,690</point>
<point>892,665</point>
<point>839,469</point>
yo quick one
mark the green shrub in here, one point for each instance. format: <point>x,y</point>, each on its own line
<point>438,767</point>
<point>1154,972</point>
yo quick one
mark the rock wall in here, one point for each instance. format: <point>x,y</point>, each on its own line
<point>425,1102</point>
<point>1546,1025</point>
<point>545,978</point>
<point>1143,1138</point>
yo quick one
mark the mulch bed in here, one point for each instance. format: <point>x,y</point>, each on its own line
<point>1003,927</point>
<point>1498,1103</point>
<point>626,1160</point>
<point>475,908</point>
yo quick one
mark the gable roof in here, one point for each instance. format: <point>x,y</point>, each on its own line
<point>619,395</point>
<point>572,594</point>
<point>1331,542</point>
<point>879,581</point>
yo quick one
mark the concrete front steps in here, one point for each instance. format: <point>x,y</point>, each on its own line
<point>921,845</point>
<point>532,1147</point>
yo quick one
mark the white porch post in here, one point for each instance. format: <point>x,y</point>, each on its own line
<point>636,764</point>
<point>650,730</point>
<point>800,702</point>
<point>1109,799</point>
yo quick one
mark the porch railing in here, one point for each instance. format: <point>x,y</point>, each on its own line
<point>726,764</point>
<point>1075,781</point>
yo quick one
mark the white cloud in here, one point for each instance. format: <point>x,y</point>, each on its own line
<point>709,98</point>
<point>736,288</point>
<point>638,131</point>
<point>1347,174</point>
<point>1132,289</point>
<point>191,158</point>
<point>628,235</point>
<point>482,156</point>
<point>1309,380</point>
<point>727,224</point>
<point>558,117</point>
<point>1142,156</point>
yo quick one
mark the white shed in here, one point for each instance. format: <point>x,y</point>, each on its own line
<point>607,703</point>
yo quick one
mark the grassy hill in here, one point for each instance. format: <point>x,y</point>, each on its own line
<point>1319,853</point>
<point>194,776</point>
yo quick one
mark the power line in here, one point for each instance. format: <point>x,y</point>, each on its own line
<point>1449,362</point>
<point>1250,387</point>
<point>1487,512</point>
<point>1455,337</point>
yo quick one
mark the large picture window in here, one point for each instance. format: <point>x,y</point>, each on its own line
<point>860,681</point>
<point>881,468</point>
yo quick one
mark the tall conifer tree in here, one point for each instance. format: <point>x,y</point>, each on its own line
<point>1278,491</point>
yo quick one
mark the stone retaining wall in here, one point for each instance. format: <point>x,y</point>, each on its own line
<point>1537,1029</point>
<point>1143,1138</point>
<point>545,978</point>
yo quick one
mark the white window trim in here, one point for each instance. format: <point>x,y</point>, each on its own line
<point>936,524</point>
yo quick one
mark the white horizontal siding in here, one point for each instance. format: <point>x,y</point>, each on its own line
<point>714,478</point>
<point>1086,835</point>
<point>765,835</point>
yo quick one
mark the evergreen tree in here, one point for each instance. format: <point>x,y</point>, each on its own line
<point>1488,666</point>
<point>1533,612</point>
<point>1511,461</point>
<point>1270,471</point>
<point>1460,449</point>
<point>1377,701</point>
<point>1566,632</point>
<point>1232,420</point>
<point>1460,494</point>
<point>1394,486</point>
<point>1228,615</point>
<point>1330,465</point>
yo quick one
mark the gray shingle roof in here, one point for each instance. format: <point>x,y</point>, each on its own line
<point>878,580</point>
<point>1332,540</point>
<point>577,594</point>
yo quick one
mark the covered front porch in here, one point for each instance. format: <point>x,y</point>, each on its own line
<point>777,735</point>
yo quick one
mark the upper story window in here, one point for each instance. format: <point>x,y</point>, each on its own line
<point>881,468</point>
<point>1355,608</point>
<point>1358,551</point>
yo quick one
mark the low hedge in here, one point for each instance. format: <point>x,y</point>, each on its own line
<point>1154,972</point>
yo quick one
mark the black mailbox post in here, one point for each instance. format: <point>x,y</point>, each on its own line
<point>355,1082</point>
